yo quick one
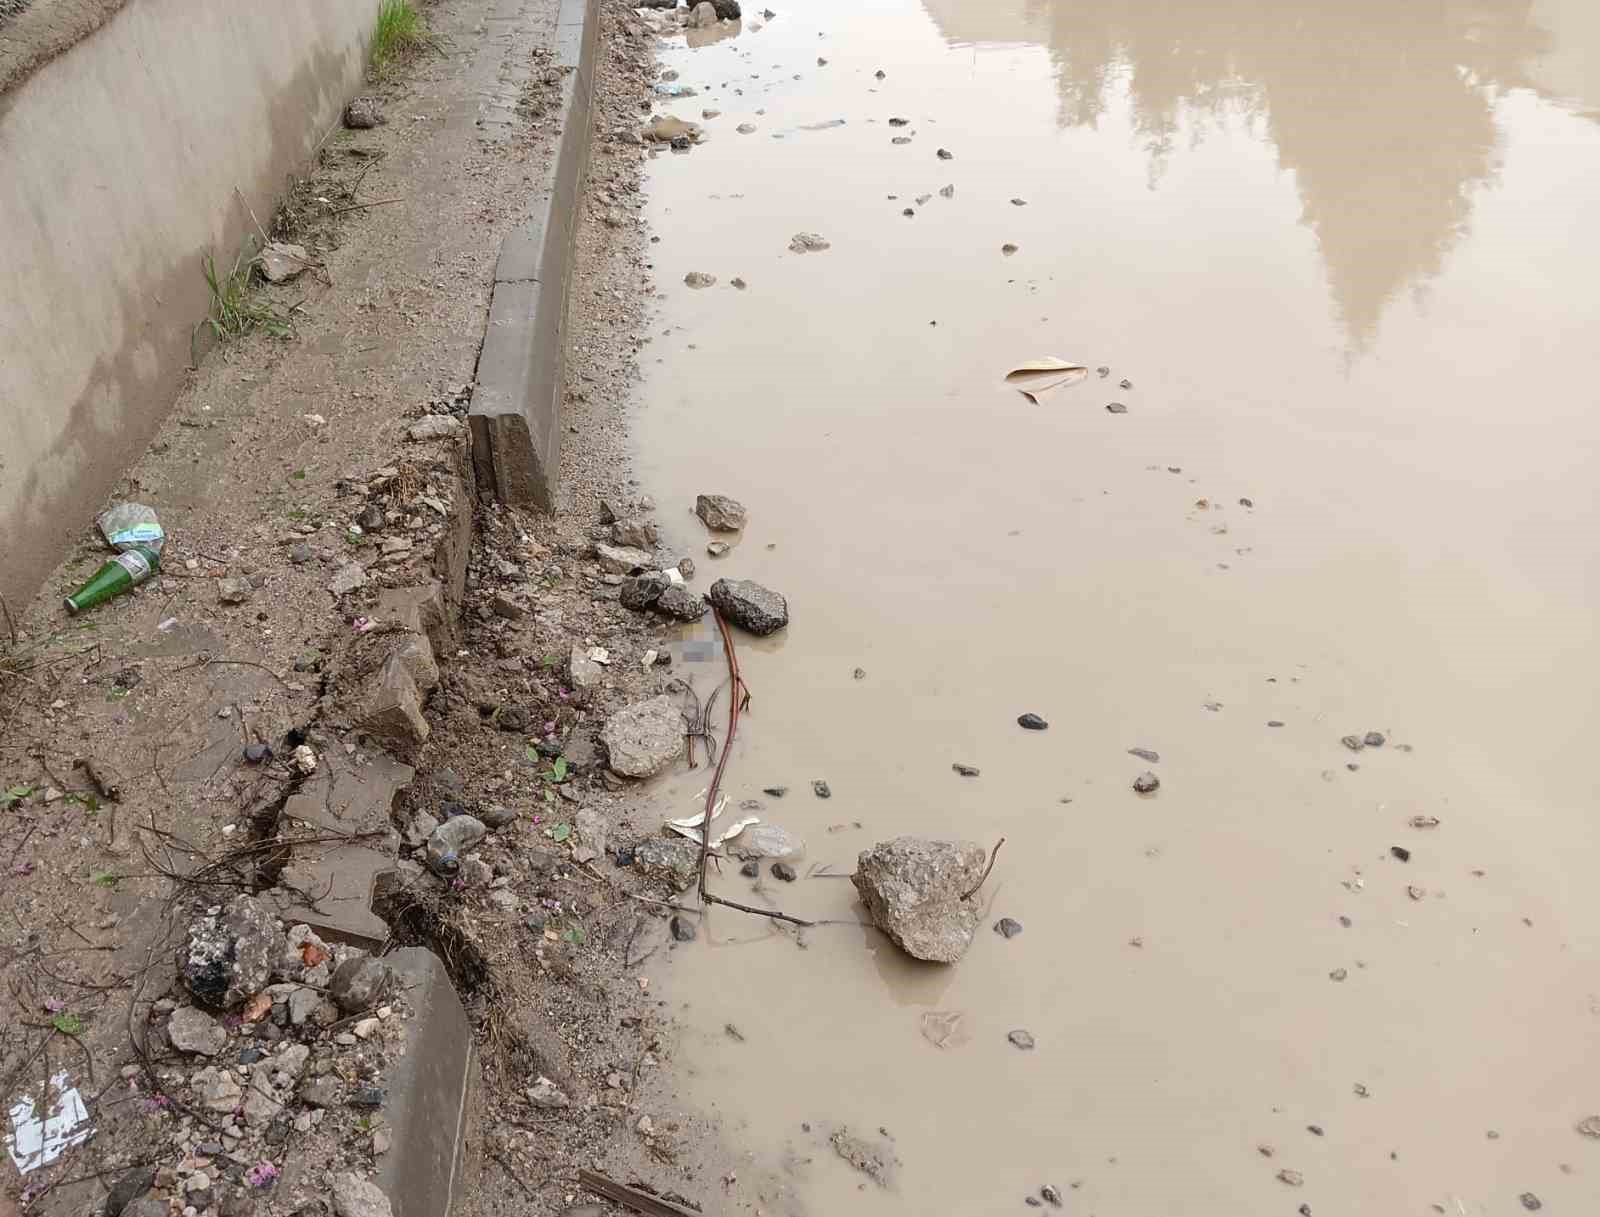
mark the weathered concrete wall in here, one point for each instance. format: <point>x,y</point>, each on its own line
<point>119,160</point>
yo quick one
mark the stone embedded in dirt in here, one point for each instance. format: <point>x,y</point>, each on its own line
<point>255,754</point>
<point>1021,1039</point>
<point>229,955</point>
<point>1146,783</point>
<point>766,841</point>
<point>218,1089</point>
<point>360,983</point>
<point>681,604</point>
<point>503,606</point>
<point>434,426</point>
<point>363,113</point>
<point>645,738</point>
<point>642,591</point>
<point>354,1196</point>
<point>146,1206</point>
<point>191,1030</point>
<point>128,1188</point>
<point>916,890</point>
<point>966,771</point>
<point>591,827</point>
<point>583,672</point>
<point>347,578</point>
<point>1031,722</point>
<point>698,279</point>
<point>280,262</point>
<point>672,860</point>
<point>809,243</point>
<point>322,1091</point>
<point>546,1094</point>
<point>622,559</point>
<point>1007,927</point>
<point>233,591</point>
<point>682,929</point>
<point>635,533</point>
<point>819,788</point>
<point>720,513</point>
<point>750,606</point>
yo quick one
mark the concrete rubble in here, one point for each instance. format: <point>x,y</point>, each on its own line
<point>918,893</point>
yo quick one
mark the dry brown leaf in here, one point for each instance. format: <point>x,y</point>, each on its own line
<point>256,1008</point>
<point>1038,376</point>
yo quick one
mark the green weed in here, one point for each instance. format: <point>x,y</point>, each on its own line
<point>398,31</point>
<point>236,309</point>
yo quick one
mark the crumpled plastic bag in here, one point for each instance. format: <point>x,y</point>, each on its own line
<point>130,524</point>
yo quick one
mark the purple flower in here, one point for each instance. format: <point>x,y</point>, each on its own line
<point>54,1005</point>
<point>262,1174</point>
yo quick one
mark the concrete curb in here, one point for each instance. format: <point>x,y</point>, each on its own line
<point>516,408</point>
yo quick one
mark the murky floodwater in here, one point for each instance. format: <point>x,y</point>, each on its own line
<point>1345,254</point>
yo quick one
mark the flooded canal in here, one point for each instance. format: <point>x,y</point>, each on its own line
<point>1344,255</point>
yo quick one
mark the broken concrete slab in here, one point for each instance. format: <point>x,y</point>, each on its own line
<point>644,738</point>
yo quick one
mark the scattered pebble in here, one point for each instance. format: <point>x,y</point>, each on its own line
<point>1125,384</point>
<point>782,870</point>
<point>1424,821</point>
<point>1145,754</point>
<point>1051,1195</point>
<point>776,792</point>
<point>1400,852</point>
<point>1021,1039</point>
<point>1338,975</point>
<point>1531,1202</point>
<point>966,771</point>
<point>1008,927</point>
<point>1292,1178</point>
<point>698,279</point>
<point>1315,1130</point>
<point>717,548</point>
<point>821,789</point>
<point>944,154</point>
<point>1374,739</point>
<point>683,929</point>
<point>1116,407</point>
<point>1274,722</point>
<point>1353,742</point>
<point>751,870</point>
<point>1361,1090</point>
<point>1008,249</point>
<point>1031,722</point>
<point>1146,783</point>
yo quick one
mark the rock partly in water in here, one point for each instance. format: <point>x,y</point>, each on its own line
<point>645,738</point>
<point>673,860</point>
<point>750,606</point>
<point>766,841</point>
<point>642,592</point>
<point>622,559</point>
<point>229,956</point>
<point>917,889</point>
<point>681,604</point>
<point>719,513</point>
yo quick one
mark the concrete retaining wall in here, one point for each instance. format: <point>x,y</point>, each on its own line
<point>119,160</point>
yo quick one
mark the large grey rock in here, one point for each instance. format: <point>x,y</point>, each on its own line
<point>645,738</point>
<point>673,860</point>
<point>767,841</point>
<point>230,955</point>
<point>354,1196</point>
<point>359,984</point>
<point>720,513</point>
<point>192,1030</point>
<point>749,605</point>
<point>915,890</point>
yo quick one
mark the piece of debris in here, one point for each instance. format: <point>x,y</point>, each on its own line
<point>809,242</point>
<point>1008,927</point>
<point>448,844</point>
<point>785,872</point>
<point>819,788</point>
<point>1031,722</point>
<point>917,891</point>
<point>750,606</point>
<point>229,955</point>
<point>698,279</point>
<point>1424,821</point>
<point>1051,1195</point>
<point>966,771</point>
<point>644,738</point>
<point>434,426</point>
<point>944,154</point>
<point>876,1162</point>
<point>1400,852</point>
<point>1037,377</point>
<point>1146,783</point>
<point>1145,754</point>
<point>1020,1039</point>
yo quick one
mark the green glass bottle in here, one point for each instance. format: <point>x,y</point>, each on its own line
<point>123,573</point>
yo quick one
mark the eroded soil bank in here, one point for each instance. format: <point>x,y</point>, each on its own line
<point>1330,261</point>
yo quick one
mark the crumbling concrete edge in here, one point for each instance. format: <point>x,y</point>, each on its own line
<point>516,407</point>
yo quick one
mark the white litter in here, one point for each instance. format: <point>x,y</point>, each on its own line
<point>689,826</point>
<point>599,655</point>
<point>33,1142</point>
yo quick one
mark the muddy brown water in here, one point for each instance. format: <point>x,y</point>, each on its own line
<point>1344,253</point>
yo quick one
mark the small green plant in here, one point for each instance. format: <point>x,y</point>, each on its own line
<point>14,795</point>
<point>104,878</point>
<point>399,30</point>
<point>236,310</point>
<point>68,1024</point>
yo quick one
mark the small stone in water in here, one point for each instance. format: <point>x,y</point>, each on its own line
<point>1051,1194</point>
<point>944,154</point>
<point>1007,927</point>
<point>1401,852</point>
<point>1145,754</point>
<point>966,771</point>
<point>1021,1039</point>
<point>1146,783</point>
<point>1116,407</point>
<point>1292,1178</point>
<point>751,870</point>
<point>776,792</point>
<point>1531,1202</point>
<point>682,929</point>
<point>717,548</point>
<point>1374,739</point>
<point>1031,722</point>
<point>782,870</point>
<point>1353,742</point>
<point>821,789</point>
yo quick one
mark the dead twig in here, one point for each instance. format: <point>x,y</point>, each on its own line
<point>11,625</point>
<point>993,854</point>
<point>745,908</point>
<point>739,697</point>
<point>363,206</point>
<point>629,1197</point>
